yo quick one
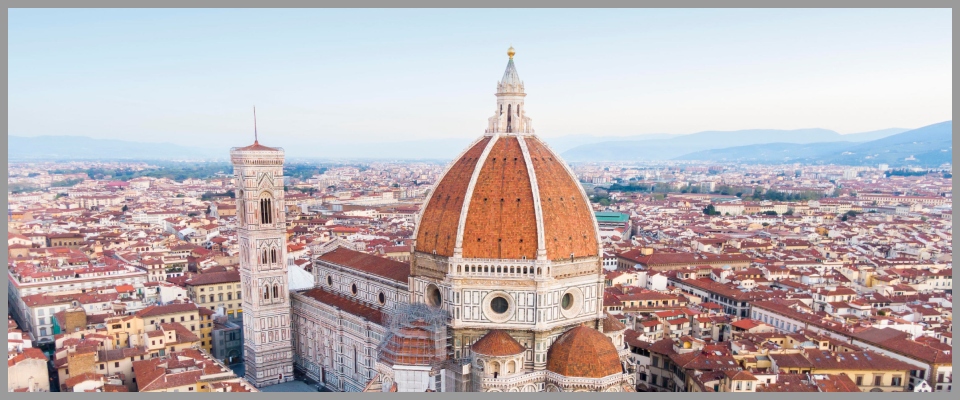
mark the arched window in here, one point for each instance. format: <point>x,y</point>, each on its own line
<point>241,211</point>
<point>276,291</point>
<point>263,257</point>
<point>356,359</point>
<point>266,292</point>
<point>229,296</point>
<point>273,255</point>
<point>266,210</point>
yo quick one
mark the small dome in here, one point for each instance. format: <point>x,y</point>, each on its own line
<point>497,343</point>
<point>583,352</point>
<point>411,345</point>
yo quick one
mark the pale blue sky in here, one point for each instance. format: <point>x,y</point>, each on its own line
<point>192,75</point>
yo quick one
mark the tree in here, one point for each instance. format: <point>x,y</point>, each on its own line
<point>711,210</point>
<point>124,209</point>
<point>844,218</point>
<point>771,213</point>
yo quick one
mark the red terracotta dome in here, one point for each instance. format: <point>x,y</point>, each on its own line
<point>498,343</point>
<point>412,345</point>
<point>497,188</point>
<point>583,352</point>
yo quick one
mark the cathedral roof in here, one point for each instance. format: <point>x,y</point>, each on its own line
<point>497,188</point>
<point>612,324</point>
<point>380,266</point>
<point>583,352</point>
<point>497,343</point>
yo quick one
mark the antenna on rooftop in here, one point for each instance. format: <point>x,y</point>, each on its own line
<point>255,139</point>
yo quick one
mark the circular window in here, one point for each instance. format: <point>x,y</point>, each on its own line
<point>353,288</point>
<point>330,280</point>
<point>382,297</point>
<point>571,303</point>
<point>499,305</point>
<point>433,297</point>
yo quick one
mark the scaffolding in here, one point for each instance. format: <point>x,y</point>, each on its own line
<point>416,334</point>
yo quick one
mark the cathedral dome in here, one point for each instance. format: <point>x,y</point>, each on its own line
<point>497,343</point>
<point>583,352</point>
<point>508,196</point>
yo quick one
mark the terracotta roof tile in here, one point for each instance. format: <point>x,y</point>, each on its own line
<point>497,343</point>
<point>583,352</point>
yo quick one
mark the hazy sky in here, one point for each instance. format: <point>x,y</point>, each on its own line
<point>191,76</point>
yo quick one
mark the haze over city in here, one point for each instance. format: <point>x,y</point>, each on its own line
<point>190,77</point>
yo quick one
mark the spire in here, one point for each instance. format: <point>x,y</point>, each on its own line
<point>510,83</point>
<point>255,139</point>
<point>510,116</point>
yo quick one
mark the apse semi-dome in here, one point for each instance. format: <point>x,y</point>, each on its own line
<point>584,352</point>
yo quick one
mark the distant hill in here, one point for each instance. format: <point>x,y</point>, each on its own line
<point>84,148</point>
<point>770,153</point>
<point>583,147</point>
<point>670,148</point>
<point>930,146</point>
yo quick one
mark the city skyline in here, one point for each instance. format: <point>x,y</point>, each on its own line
<point>191,76</point>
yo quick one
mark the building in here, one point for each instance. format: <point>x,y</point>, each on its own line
<point>227,340</point>
<point>503,293</point>
<point>187,371</point>
<point>258,176</point>
<point>26,365</point>
<point>217,289</point>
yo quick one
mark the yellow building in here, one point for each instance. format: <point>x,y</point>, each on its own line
<point>76,357</point>
<point>217,289</point>
<point>197,319</point>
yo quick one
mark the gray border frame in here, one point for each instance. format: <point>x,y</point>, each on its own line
<point>446,4</point>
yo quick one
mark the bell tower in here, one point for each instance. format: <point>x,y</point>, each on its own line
<point>267,343</point>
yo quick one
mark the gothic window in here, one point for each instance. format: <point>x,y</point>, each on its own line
<point>276,289</point>
<point>266,293</point>
<point>273,255</point>
<point>266,210</point>
<point>263,257</point>
<point>240,210</point>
